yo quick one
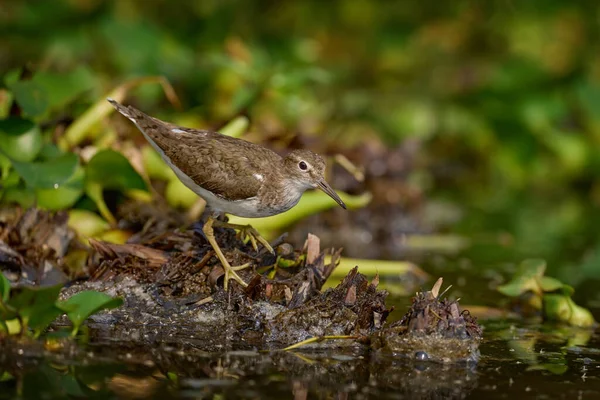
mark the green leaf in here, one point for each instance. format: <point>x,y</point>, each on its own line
<point>514,288</point>
<point>557,307</point>
<point>549,284</point>
<point>580,316</point>
<point>179,196</point>
<point>80,306</point>
<point>5,165</point>
<point>109,169</point>
<point>12,76</point>
<point>87,223</point>
<point>531,268</point>
<point>35,304</point>
<point>31,96</point>
<point>6,377</point>
<point>112,170</point>
<point>4,288</point>
<point>28,298</point>
<point>48,174</point>
<point>63,196</point>
<point>236,127</point>
<point>19,195</point>
<point>63,88</point>
<point>20,139</point>
<point>39,321</point>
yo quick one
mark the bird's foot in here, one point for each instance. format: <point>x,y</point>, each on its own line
<point>230,273</point>
<point>248,233</point>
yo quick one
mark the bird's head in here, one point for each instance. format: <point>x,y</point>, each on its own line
<point>306,171</point>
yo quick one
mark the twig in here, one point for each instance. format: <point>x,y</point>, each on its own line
<point>317,339</point>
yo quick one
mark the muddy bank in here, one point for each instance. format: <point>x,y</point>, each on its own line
<point>171,283</point>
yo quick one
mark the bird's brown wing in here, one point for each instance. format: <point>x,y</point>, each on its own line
<point>223,165</point>
<point>220,164</point>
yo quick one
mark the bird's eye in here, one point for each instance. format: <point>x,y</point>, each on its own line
<point>302,165</point>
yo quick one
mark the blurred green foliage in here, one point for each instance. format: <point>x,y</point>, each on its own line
<point>545,294</point>
<point>503,96</point>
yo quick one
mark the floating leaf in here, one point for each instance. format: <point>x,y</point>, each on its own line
<point>561,308</point>
<point>20,139</point>
<point>80,306</point>
<point>48,174</point>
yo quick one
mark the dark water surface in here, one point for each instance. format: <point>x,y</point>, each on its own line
<point>517,362</point>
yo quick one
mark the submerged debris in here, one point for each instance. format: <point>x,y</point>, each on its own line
<point>433,329</point>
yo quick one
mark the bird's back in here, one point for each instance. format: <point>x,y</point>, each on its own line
<point>220,164</point>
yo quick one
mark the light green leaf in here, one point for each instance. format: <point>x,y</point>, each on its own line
<point>550,284</point>
<point>154,165</point>
<point>531,268</point>
<point>20,139</point>
<point>48,174</point>
<point>87,223</point>
<point>80,306</point>
<point>63,196</point>
<point>179,196</point>
<point>236,127</point>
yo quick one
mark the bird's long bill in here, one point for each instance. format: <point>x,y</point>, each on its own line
<point>324,186</point>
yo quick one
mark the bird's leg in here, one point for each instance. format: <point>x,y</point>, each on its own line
<point>249,232</point>
<point>229,270</point>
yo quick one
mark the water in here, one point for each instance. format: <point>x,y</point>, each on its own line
<point>518,362</point>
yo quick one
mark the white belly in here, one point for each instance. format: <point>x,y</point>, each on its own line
<point>242,208</point>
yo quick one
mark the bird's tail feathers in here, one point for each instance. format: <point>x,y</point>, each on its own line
<point>128,111</point>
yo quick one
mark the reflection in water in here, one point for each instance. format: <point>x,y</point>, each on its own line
<point>170,373</point>
<point>522,362</point>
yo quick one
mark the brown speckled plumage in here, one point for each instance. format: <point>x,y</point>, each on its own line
<point>240,174</point>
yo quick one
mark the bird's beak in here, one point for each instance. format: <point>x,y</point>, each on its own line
<point>324,186</point>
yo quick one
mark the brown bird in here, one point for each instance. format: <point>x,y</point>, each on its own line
<point>233,176</point>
